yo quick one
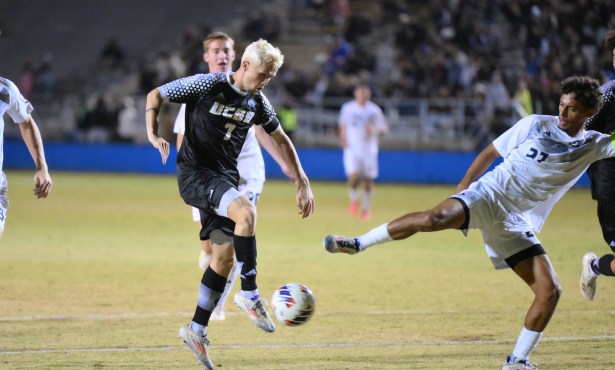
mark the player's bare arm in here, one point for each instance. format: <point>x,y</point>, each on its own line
<point>271,147</point>
<point>152,107</point>
<point>304,197</point>
<point>32,137</point>
<point>480,164</point>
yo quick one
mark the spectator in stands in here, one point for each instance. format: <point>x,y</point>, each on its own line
<point>523,99</point>
<point>98,123</point>
<point>497,113</point>
<point>45,77</point>
<point>19,109</point>
<point>288,117</point>
<point>130,127</point>
<point>27,79</point>
<point>111,55</point>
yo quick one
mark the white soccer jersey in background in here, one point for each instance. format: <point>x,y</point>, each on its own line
<point>362,123</point>
<point>357,118</point>
<point>17,107</point>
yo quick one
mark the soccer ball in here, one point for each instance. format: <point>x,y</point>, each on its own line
<point>293,304</point>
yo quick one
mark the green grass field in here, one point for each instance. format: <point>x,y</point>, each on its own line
<point>102,274</point>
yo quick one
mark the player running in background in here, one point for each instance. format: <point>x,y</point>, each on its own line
<point>220,109</point>
<point>602,177</point>
<point>219,54</point>
<point>360,123</point>
<point>19,109</point>
<point>543,157</point>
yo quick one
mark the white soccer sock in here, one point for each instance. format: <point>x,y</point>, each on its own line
<point>526,343</point>
<point>353,194</point>
<point>198,328</point>
<point>250,293</point>
<point>232,276</point>
<point>367,200</point>
<point>374,236</point>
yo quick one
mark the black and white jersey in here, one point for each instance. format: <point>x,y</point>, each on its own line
<point>218,117</point>
<point>602,173</point>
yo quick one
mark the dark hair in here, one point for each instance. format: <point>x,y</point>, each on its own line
<point>609,40</point>
<point>586,89</point>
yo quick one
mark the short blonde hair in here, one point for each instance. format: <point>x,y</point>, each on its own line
<point>261,51</point>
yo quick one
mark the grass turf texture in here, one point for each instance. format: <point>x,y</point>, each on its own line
<point>103,272</point>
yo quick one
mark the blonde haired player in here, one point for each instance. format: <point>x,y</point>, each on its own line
<point>219,54</point>
<point>220,110</point>
<point>360,124</point>
<point>19,109</point>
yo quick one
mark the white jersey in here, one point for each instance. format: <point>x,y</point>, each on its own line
<point>17,107</point>
<point>357,118</point>
<point>250,163</point>
<point>541,162</point>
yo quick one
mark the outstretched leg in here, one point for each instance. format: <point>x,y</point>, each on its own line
<point>449,214</point>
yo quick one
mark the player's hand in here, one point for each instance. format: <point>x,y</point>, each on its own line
<point>163,147</point>
<point>305,199</point>
<point>42,184</point>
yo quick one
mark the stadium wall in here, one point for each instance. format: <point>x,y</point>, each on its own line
<point>319,164</point>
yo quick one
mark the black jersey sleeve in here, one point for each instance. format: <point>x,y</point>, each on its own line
<point>267,117</point>
<point>190,89</point>
<point>604,120</point>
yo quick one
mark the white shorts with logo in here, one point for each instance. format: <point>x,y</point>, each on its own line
<point>505,232</point>
<point>251,188</point>
<point>364,164</point>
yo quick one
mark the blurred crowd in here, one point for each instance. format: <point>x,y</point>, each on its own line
<point>510,54</point>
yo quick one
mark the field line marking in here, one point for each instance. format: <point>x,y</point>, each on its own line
<point>311,345</point>
<point>129,315</point>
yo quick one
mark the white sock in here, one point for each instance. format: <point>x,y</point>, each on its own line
<point>526,343</point>
<point>367,200</point>
<point>250,294</point>
<point>374,236</point>
<point>198,328</point>
<point>353,194</point>
<point>232,276</point>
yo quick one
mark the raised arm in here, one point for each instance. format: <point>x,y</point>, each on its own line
<point>305,198</point>
<point>32,137</point>
<point>478,167</point>
<point>152,108</point>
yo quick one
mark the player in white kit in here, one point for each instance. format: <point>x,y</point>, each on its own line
<point>543,157</point>
<point>360,123</point>
<point>219,55</point>
<point>20,109</point>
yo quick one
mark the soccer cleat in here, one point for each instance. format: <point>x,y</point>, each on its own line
<point>518,364</point>
<point>353,208</point>
<point>255,311</point>
<point>341,244</point>
<point>366,216</point>
<point>197,344</point>
<point>588,281</point>
<point>217,314</point>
